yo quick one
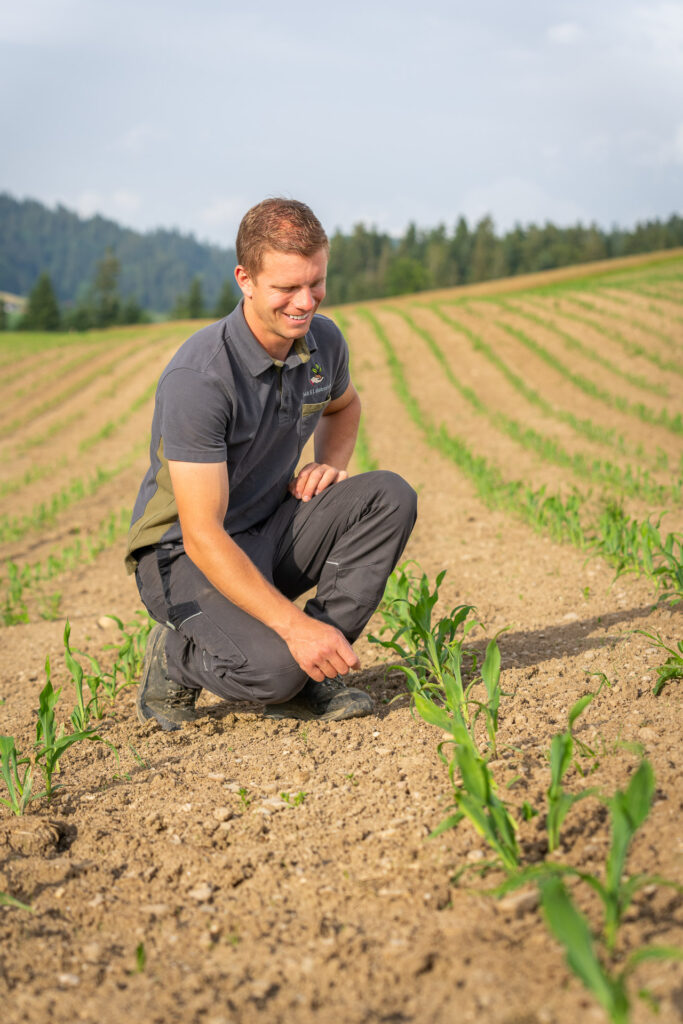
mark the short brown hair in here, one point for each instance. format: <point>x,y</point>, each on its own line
<point>285,225</point>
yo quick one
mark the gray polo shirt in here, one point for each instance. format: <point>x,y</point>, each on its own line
<point>222,398</point>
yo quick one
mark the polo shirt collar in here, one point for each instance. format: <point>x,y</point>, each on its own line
<point>253,354</point>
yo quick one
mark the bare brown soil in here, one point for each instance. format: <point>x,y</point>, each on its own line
<point>250,909</point>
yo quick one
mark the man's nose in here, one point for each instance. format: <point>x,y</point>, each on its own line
<point>304,299</point>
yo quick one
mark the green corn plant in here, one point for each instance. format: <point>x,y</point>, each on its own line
<point>130,652</point>
<point>14,610</point>
<point>17,773</point>
<point>83,711</point>
<point>628,811</point>
<point>672,667</point>
<point>571,929</point>
<point>474,788</point>
<point>561,752</point>
<point>51,743</point>
<point>9,901</point>
<point>407,609</point>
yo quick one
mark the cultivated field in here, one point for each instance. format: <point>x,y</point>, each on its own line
<point>168,879</point>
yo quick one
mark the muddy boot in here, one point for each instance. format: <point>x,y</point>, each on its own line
<point>329,701</point>
<point>167,702</point>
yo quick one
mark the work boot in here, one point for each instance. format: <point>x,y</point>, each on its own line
<point>328,701</point>
<point>159,697</point>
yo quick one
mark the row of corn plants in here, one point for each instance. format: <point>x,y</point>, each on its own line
<point>57,399</point>
<point>361,453</point>
<point>21,581</point>
<point>44,514</point>
<point>624,315</point>
<point>583,427</point>
<point>623,542</point>
<point>94,687</point>
<point>629,480</point>
<point>660,418</point>
<point>466,706</point>
<point>574,344</point>
<point>631,348</point>
<point>58,426</point>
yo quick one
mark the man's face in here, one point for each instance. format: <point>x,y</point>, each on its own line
<point>279,302</point>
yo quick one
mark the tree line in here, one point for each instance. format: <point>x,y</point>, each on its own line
<point>102,305</point>
<point>364,264</point>
<point>369,264</point>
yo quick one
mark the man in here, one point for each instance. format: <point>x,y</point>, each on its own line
<point>224,536</point>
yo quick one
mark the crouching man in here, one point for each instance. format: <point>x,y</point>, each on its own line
<point>224,536</point>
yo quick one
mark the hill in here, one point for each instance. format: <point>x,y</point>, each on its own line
<point>155,267</point>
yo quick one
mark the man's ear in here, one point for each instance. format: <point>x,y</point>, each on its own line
<point>244,281</point>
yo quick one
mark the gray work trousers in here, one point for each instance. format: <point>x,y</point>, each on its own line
<point>345,542</point>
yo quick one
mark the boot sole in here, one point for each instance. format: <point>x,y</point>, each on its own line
<point>306,715</point>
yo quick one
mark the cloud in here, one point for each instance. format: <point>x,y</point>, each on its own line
<point>88,203</point>
<point>511,200</point>
<point>565,33</point>
<point>658,28</point>
<point>135,139</point>
<point>126,202</point>
<point>678,144</point>
<point>223,213</point>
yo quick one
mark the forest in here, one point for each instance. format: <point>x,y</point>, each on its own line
<point>167,273</point>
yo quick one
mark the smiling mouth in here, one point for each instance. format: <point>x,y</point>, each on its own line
<point>297,319</point>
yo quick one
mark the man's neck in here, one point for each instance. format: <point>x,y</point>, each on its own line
<point>277,348</point>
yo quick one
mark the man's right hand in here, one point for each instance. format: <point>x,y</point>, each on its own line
<point>320,650</point>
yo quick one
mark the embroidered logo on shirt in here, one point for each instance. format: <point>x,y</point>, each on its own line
<point>316,374</point>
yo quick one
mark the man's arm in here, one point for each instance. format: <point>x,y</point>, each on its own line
<point>201,492</point>
<point>334,441</point>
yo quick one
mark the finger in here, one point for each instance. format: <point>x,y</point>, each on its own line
<point>301,478</point>
<point>312,481</point>
<point>331,476</point>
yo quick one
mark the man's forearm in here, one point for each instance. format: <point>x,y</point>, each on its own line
<point>233,573</point>
<point>319,649</point>
<point>335,435</point>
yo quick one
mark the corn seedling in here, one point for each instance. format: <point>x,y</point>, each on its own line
<point>572,931</point>
<point>441,698</point>
<point>83,711</point>
<point>296,800</point>
<point>561,751</point>
<point>628,811</point>
<point>9,901</point>
<point>474,788</point>
<point>52,743</point>
<point>407,608</point>
<point>672,667</point>
<point>130,652</point>
<point>14,610</point>
<point>17,773</point>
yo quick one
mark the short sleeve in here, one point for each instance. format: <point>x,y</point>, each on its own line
<point>193,416</point>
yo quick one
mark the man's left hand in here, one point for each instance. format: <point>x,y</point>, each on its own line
<point>314,478</point>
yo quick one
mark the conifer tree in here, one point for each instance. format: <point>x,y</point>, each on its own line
<point>42,311</point>
<point>106,300</point>
<point>195,300</point>
<point>227,300</point>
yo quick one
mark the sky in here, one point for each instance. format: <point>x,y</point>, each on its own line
<point>176,114</point>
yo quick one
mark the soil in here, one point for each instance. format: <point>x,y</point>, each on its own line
<point>175,884</point>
